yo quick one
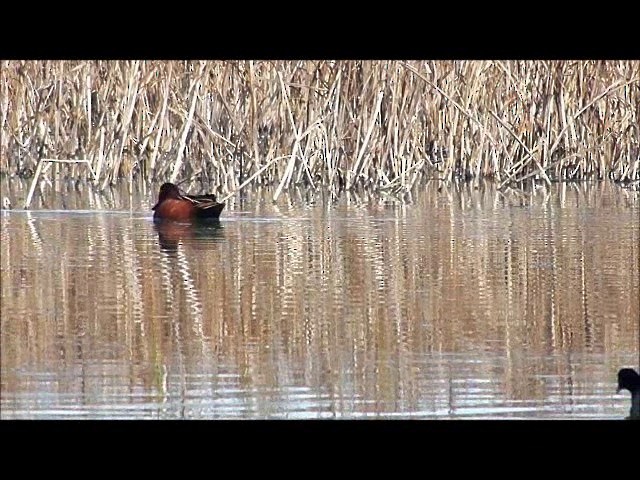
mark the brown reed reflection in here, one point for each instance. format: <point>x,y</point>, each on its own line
<point>198,235</point>
<point>346,308</point>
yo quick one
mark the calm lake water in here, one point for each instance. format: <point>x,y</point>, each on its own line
<point>451,303</point>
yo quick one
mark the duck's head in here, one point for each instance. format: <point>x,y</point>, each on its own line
<point>628,379</point>
<point>167,190</point>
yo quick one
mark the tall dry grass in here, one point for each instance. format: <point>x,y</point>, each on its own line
<point>373,125</point>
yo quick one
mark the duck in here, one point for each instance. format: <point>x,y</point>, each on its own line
<point>180,207</point>
<point>628,379</point>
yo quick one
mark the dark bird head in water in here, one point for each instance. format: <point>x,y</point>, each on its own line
<point>628,379</point>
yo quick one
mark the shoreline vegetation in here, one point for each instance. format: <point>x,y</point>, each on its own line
<point>375,126</point>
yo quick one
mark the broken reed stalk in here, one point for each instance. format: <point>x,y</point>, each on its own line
<point>195,88</point>
<point>453,102</point>
<point>530,153</point>
<point>588,105</point>
<point>39,170</point>
<point>291,164</point>
<point>248,180</point>
<point>356,167</point>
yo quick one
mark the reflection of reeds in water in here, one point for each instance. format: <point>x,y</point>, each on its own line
<point>374,125</point>
<point>79,195</point>
<point>199,235</point>
<point>341,300</point>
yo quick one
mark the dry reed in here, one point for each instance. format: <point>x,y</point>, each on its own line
<point>381,126</point>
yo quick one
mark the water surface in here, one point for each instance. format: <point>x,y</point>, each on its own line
<point>450,303</point>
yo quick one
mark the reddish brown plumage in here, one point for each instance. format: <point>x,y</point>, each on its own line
<point>173,205</point>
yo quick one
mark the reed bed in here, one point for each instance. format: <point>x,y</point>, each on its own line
<point>379,126</point>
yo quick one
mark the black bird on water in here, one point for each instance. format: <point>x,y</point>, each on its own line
<point>628,379</point>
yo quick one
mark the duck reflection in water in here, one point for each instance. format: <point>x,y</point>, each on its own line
<point>198,235</point>
<point>199,217</point>
<point>628,379</point>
